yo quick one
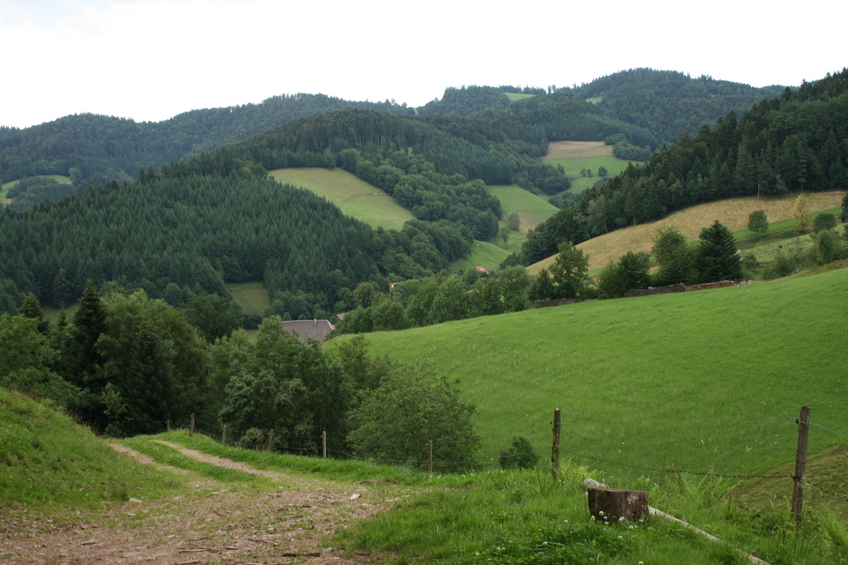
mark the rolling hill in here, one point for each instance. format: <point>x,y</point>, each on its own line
<point>733,213</point>
<point>701,381</point>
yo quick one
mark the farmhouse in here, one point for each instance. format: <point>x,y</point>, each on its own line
<point>306,329</point>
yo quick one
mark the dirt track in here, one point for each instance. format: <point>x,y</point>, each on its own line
<point>291,525</point>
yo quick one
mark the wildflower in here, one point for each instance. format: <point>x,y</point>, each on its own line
<point>592,518</point>
<point>601,513</point>
<point>621,518</point>
<point>620,537</point>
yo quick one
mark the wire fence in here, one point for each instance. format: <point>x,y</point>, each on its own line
<point>342,448</point>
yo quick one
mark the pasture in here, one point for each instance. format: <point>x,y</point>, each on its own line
<point>732,213</point>
<point>354,197</point>
<point>574,156</point>
<point>707,381</point>
<point>252,297</point>
<point>484,254</point>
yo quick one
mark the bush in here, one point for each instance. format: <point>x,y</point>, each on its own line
<point>824,221</point>
<point>519,455</point>
<point>410,407</point>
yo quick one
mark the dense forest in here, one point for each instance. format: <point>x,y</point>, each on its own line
<point>796,141</point>
<point>170,235</point>
<point>646,107</point>
<point>93,149</point>
<point>667,103</point>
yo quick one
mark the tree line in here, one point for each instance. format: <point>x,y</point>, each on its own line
<point>126,364</point>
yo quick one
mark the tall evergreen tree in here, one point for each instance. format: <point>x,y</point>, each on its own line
<point>31,308</point>
<point>82,362</point>
<point>717,258</point>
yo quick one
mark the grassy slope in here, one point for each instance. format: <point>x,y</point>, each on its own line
<point>354,197</point>
<point>575,156</point>
<point>655,381</point>
<point>4,188</point>
<point>252,297</point>
<point>47,460</point>
<point>732,213</point>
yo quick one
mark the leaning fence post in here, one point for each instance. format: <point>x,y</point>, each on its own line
<point>800,463</point>
<point>430,456</point>
<point>224,435</point>
<point>191,427</point>
<point>555,472</point>
<point>324,443</point>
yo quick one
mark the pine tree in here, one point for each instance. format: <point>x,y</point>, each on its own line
<point>82,361</point>
<point>31,308</point>
<point>717,258</point>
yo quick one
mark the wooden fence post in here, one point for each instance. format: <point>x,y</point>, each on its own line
<point>167,425</point>
<point>191,427</point>
<point>430,456</point>
<point>324,443</point>
<point>800,463</point>
<point>270,439</point>
<point>224,435</point>
<point>555,447</point>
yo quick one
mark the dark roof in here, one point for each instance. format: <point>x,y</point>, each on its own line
<point>305,329</point>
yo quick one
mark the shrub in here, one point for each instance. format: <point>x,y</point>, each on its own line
<point>519,455</point>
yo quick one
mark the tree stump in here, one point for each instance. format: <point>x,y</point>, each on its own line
<point>613,505</point>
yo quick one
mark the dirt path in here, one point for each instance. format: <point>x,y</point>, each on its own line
<point>289,526</point>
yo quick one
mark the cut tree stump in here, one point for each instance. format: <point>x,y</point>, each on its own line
<point>613,505</point>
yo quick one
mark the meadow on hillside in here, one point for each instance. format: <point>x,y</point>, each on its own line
<point>353,196</point>
<point>701,381</point>
<point>575,156</point>
<point>732,213</point>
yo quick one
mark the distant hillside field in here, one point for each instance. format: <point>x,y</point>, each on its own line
<point>732,213</point>
<point>531,208</point>
<point>575,156</point>
<point>700,381</point>
<point>354,197</point>
<point>252,297</point>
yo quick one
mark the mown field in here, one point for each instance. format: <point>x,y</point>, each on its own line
<point>732,213</point>
<point>702,381</point>
<point>574,156</point>
<point>354,197</point>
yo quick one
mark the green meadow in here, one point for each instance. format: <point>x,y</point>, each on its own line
<point>4,188</point>
<point>577,156</point>
<point>353,196</point>
<point>514,96</point>
<point>532,209</point>
<point>252,297</point>
<point>701,381</point>
<point>482,253</point>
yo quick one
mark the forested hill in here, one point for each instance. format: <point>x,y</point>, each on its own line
<point>94,149</point>
<point>667,103</point>
<point>796,141</point>
<point>647,107</point>
<point>185,234</point>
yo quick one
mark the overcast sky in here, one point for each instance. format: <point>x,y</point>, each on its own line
<point>152,59</point>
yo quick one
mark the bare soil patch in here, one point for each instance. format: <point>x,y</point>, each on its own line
<point>291,525</point>
<point>577,149</point>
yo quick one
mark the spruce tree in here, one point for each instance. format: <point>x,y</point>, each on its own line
<point>716,258</point>
<point>31,308</point>
<point>83,363</point>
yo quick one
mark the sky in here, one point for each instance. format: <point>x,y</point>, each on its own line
<point>150,60</point>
